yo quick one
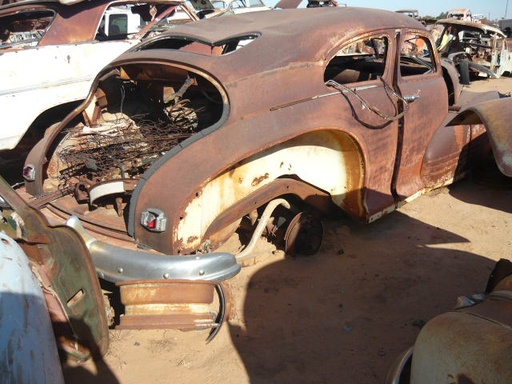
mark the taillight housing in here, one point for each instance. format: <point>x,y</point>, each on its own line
<point>29,172</point>
<point>154,220</point>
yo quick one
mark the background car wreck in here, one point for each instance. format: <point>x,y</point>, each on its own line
<point>185,101</point>
<point>51,52</point>
<point>444,349</point>
<point>476,49</point>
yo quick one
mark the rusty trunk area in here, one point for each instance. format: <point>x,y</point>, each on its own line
<point>131,125</point>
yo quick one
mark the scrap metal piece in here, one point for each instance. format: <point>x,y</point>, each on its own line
<point>63,266</point>
<point>180,304</point>
<point>175,304</point>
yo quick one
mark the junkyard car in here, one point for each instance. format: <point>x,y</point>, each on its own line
<point>470,344</point>
<point>207,8</point>
<point>477,49</point>
<point>460,14</point>
<point>47,278</point>
<point>50,53</point>
<point>204,131</point>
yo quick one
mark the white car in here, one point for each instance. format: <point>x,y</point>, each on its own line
<point>51,51</point>
<point>213,8</point>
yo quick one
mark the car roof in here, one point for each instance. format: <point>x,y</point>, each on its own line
<point>317,23</point>
<point>471,25</point>
<point>287,38</point>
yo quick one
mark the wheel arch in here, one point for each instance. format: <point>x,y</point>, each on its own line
<point>325,168</point>
<point>495,115</point>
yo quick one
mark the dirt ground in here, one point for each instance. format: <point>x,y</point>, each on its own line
<point>342,315</point>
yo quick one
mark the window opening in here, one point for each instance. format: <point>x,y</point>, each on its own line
<point>416,56</point>
<point>361,60</point>
<point>193,45</point>
<point>24,29</point>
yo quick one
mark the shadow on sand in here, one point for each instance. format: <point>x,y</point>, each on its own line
<point>345,314</point>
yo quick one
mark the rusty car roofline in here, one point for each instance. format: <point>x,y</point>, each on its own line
<point>312,20</point>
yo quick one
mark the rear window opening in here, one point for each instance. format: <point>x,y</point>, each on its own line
<point>25,29</point>
<point>193,45</point>
<point>140,112</point>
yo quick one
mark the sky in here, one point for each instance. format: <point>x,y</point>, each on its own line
<point>494,8</point>
<point>491,9</point>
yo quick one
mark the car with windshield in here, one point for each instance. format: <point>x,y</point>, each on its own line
<point>477,50</point>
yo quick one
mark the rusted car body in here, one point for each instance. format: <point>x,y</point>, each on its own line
<point>477,49</point>
<point>50,53</point>
<point>470,344</point>
<point>204,131</point>
<point>207,8</point>
<point>460,14</point>
<point>46,270</point>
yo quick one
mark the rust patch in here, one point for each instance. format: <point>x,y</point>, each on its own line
<point>176,304</point>
<point>192,239</point>
<point>257,180</point>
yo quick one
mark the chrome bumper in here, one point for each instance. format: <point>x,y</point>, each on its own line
<point>116,264</point>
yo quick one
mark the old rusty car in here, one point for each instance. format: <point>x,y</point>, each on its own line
<point>50,52</point>
<point>207,8</point>
<point>470,344</point>
<point>209,130</point>
<point>477,49</point>
<point>50,295</point>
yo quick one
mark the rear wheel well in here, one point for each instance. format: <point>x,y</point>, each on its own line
<point>323,169</point>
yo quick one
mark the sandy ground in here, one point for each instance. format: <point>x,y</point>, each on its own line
<point>342,315</point>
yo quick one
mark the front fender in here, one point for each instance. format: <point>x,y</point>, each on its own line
<point>496,115</point>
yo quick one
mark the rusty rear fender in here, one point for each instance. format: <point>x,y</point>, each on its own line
<point>326,160</point>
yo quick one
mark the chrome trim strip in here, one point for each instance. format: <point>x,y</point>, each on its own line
<point>116,264</point>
